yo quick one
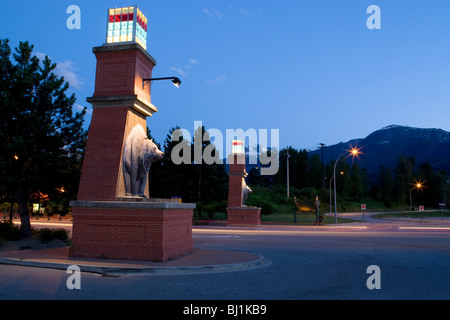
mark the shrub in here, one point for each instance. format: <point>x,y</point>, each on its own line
<point>60,234</point>
<point>47,234</point>
<point>198,209</point>
<point>9,231</point>
<point>213,207</point>
<point>265,205</point>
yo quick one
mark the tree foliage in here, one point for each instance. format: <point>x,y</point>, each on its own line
<point>391,186</point>
<point>193,180</point>
<point>398,185</point>
<point>41,138</point>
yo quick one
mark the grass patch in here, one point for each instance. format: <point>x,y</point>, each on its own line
<point>278,209</point>
<point>285,217</point>
<point>413,214</point>
<point>302,218</point>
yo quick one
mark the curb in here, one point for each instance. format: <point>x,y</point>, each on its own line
<point>121,271</point>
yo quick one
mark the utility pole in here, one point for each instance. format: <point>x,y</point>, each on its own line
<point>287,172</point>
<point>323,178</point>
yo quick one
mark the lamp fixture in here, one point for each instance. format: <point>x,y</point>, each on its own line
<point>176,81</point>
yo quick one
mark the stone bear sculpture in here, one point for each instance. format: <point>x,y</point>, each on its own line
<point>138,155</point>
<point>245,191</point>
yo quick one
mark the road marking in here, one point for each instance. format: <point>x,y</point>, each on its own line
<point>424,228</point>
<point>205,236</point>
<point>52,223</point>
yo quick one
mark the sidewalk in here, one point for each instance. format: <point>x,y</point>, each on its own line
<point>196,261</point>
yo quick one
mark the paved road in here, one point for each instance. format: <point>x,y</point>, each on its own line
<point>327,262</point>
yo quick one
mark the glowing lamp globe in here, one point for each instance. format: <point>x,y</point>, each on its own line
<point>126,24</point>
<point>237,147</point>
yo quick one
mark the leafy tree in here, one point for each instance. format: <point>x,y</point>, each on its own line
<point>41,139</point>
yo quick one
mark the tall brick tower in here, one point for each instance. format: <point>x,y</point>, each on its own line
<point>119,103</point>
<point>106,223</point>
<point>237,212</point>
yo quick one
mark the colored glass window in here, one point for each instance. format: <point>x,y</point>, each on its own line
<point>124,24</point>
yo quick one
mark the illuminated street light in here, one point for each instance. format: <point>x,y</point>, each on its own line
<point>176,81</point>
<point>417,185</point>
<point>354,152</point>
<point>342,173</point>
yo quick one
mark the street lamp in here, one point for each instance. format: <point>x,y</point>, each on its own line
<point>354,152</point>
<point>330,188</point>
<point>418,185</point>
<point>330,191</point>
<point>176,81</point>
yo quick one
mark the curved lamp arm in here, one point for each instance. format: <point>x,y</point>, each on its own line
<point>176,81</point>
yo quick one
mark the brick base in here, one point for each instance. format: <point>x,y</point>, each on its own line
<point>244,216</point>
<point>145,231</point>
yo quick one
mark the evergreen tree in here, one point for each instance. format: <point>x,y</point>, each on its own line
<point>180,173</point>
<point>211,177</point>
<point>41,139</point>
<point>404,175</point>
<point>155,175</point>
<point>356,183</point>
<point>386,183</point>
<point>315,171</point>
<point>300,166</point>
<point>176,177</point>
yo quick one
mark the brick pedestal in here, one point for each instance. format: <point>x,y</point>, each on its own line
<point>244,216</point>
<point>125,230</point>
<point>237,213</point>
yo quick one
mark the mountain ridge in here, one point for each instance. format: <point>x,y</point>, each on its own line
<point>384,146</point>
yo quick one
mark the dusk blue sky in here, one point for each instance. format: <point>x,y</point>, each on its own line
<point>310,68</point>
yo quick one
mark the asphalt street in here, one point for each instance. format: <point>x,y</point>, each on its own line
<point>329,262</point>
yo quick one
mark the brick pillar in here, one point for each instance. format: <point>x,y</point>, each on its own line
<point>236,176</point>
<point>237,214</point>
<point>119,103</point>
<point>105,224</point>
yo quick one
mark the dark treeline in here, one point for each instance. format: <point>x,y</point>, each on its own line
<point>207,185</point>
<point>391,186</point>
<point>192,181</point>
